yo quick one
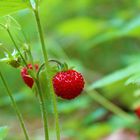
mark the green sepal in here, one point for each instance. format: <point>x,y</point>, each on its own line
<point>63,67</point>
<point>12,59</point>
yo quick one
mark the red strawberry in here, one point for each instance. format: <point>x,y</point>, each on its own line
<point>137,111</point>
<point>68,84</point>
<point>26,77</point>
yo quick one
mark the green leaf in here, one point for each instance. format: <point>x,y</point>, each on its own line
<point>115,76</point>
<point>76,27</point>
<point>3,132</point>
<point>127,29</point>
<point>95,115</point>
<point>10,6</point>
<point>119,123</point>
<point>19,97</point>
<point>134,79</point>
<point>97,131</point>
<point>132,29</point>
<point>68,107</point>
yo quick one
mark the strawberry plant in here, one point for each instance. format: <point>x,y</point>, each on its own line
<point>30,73</point>
<point>45,68</point>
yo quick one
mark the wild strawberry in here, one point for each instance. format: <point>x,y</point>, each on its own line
<point>137,111</point>
<point>26,77</point>
<point>68,84</point>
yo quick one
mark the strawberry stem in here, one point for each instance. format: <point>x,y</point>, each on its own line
<point>15,107</point>
<point>43,109</point>
<point>109,105</point>
<point>39,70</point>
<point>61,66</point>
<point>16,46</point>
<point>49,81</point>
<point>41,99</point>
<point>55,61</point>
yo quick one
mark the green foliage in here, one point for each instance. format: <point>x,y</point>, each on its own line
<point>8,6</point>
<point>116,76</point>
<point>3,132</point>
<point>74,27</point>
<point>98,38</point>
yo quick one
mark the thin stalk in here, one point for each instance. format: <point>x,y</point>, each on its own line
<point>42,103</point>
<point>43,110</point>
<point>109,105</point>
<point>55,112</point>
<point>16,46</point>
<point>41,99</point>
<point>40,31</point>
<point>49,82</point>
<point>15,107</point>
<point>31,57</point>
<point>29,49</point>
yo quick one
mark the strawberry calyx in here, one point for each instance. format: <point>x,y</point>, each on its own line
<point>11,59</point>
<point>60,67</point>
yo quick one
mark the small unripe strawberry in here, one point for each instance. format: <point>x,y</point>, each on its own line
<point>68,84</point>
<point>29,81</point>
<point>137,111</point>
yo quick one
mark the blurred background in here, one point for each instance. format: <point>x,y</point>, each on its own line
<point>101,40</point>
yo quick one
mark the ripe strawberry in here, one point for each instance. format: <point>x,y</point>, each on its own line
<point>137,111</point>
<point>68,84</point>
<point>26,77</point>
